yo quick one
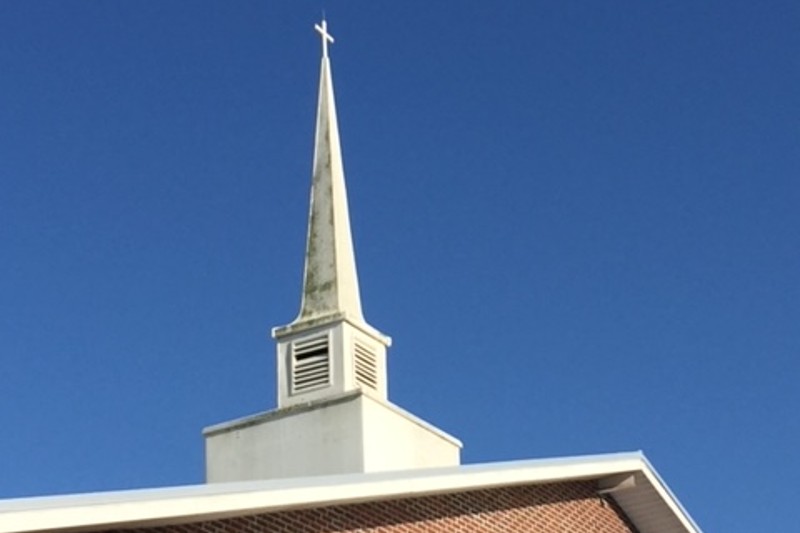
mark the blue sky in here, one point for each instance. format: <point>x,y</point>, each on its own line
<point>577,220</point>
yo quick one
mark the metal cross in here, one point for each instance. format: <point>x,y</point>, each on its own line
<point>326,37</point>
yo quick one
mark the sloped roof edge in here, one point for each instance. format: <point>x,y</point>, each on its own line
<point>649,504</point>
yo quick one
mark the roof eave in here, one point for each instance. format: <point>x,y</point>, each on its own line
<point>151,507</point>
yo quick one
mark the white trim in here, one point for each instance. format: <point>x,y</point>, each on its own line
<point>149,507</point>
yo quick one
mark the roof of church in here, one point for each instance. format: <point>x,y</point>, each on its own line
<point>628,478</point>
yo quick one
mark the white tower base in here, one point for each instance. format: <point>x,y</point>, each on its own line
<point>350,433</point>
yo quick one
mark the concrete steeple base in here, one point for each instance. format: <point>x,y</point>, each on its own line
<point>345,434</point>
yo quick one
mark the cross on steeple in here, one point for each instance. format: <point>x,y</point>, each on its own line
<point>326,37</point>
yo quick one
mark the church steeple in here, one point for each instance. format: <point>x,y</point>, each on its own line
<point>329,349</point>
<point>330,284</point>
<point>333,415</point>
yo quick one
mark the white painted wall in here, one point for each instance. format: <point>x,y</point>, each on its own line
<point>352,433</point>
<point>396,439</point>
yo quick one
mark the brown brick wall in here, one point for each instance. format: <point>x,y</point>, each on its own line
<point>554,508</point>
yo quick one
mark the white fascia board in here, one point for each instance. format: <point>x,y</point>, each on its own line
<point>206,502</point>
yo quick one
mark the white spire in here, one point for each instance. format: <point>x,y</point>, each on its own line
<point>334,414</point>
<point>330,285</point>
<point>329,349</point>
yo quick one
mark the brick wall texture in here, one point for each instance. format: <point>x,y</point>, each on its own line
<point>555,508</point>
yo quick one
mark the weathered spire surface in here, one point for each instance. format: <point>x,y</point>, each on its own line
<point>330,284</point>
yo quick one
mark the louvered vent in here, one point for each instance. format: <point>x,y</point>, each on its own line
<point>311,367</point>
<point>366,366</point>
